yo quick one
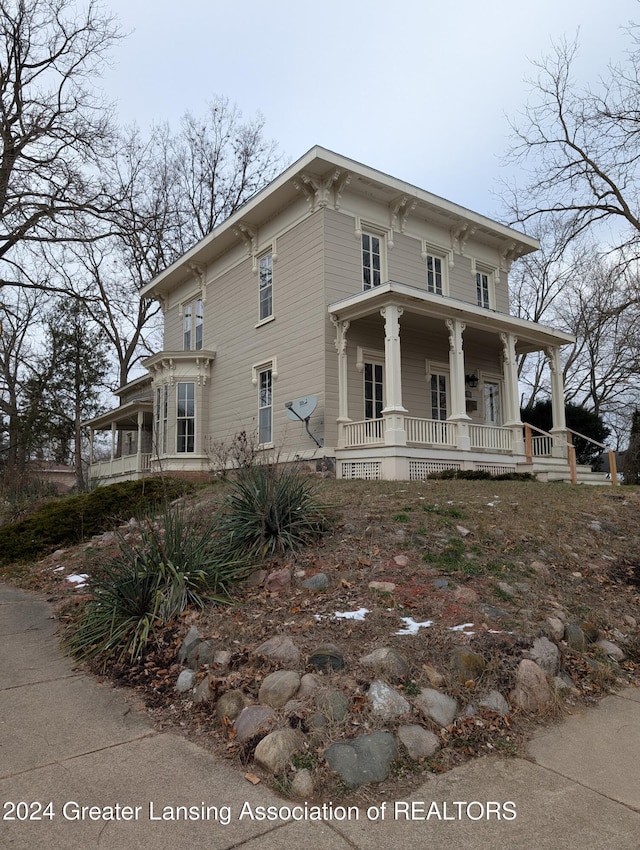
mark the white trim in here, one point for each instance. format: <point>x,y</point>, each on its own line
<point>268,362</point>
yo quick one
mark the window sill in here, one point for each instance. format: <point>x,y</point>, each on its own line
<point>265,321</point>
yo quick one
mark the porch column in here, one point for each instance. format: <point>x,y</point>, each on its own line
<point>456,377</point>
<point>394,430</point>
<point>139,444</point>
<point>113,447</point>
<point>559,428</point>
<point>343,395</point>
<point>512,395</point>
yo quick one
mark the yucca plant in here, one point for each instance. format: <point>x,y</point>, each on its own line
<point>175,562</point>
<point>271,510</point>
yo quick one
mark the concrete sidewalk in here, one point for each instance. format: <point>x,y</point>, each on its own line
<point>68,741</point>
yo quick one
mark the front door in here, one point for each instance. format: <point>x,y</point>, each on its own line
<point>492,409</point>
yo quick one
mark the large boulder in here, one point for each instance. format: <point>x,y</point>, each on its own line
<point>364,759</point>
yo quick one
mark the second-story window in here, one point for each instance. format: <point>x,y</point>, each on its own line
<point>193,325</point>
<point>434,274</point>
<point>199,326</point>
<point>266,286</point>
<point>371,260</point>
<point>482,289</point>
<point>186,327</point>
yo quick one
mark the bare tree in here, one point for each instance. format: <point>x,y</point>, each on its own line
<point>580,147</point>
<point>52,122</point>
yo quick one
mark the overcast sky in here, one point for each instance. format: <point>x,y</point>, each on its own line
<point>420,90</point>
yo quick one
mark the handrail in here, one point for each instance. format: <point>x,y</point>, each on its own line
<point>613,468</point>
<point>571,450</point>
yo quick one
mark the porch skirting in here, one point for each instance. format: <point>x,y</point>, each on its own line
<point>406,463</point>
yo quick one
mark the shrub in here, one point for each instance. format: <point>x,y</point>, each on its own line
<point>271,510</point>
<point>70,520</point>
<point>175,563</point>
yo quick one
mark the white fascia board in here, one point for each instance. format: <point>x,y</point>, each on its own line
<point>366,303</point>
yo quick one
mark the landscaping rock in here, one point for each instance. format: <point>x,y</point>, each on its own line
<point>387,662</point>
<point>611,649</point>
<point>591,631</point>
<point>221,661</point>
<point>230,705</point>
<point>186,681</point>
<point>545,654</point>
<point>333,704</point>
<point>200,654</point>
<point>436,679</point>
<point>278,581</point>
<point>302,785</point>
<point>326,657</point>
<point>440,583</point>
<point>193,637</point>
<point>467,664</point>
<point>507,589</point>
<point>364,759</point>
<point>437,706</point>
<point>494,701</point>
<point>386,702</point>
<point>278,688</point>
<point>575,637</point>
<point>317,582</point>
<point>382,586</point>
<point>556,628</point>
<point>532,692</point>
<point>419,742</point>
<point>275,751</point>
<point>280,650</point>
<point>309,684</point>
<point>541,569</point>
<point>252,721</point>
<point>202,692</point>
<point>493,612</point>
<point>401,560</point>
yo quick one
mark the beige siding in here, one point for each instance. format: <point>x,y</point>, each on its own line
<point>295,337</point>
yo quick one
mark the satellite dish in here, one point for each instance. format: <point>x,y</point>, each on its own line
<point>301,409</point>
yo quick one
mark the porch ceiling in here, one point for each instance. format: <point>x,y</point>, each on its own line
<point>125,417</point>
<point>416,302</point>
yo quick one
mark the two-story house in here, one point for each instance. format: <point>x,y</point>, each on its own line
<point>387,304</point>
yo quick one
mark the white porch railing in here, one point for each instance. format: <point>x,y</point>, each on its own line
<point>368,432</point>
<point>542,446</point>
<point>433,432</point>
<point>490,437</point>
<point>121,466</point>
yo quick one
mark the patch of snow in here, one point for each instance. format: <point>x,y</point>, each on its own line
<point>58,569</point>
<point>360,614</point>
<point>78,580</point>
<point>461,628</point>
<point>411,627</point>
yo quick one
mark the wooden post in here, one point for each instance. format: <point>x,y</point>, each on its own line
<point>572,463</point>
<point>528,443</point>
<point>613,469</point>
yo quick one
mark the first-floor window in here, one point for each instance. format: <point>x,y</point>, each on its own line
<point>265,406</point>
<point>438,397</point>
<point>373,390</point>
<point>161,419</point>
<point>482,289</point>
<point>186,417</point>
